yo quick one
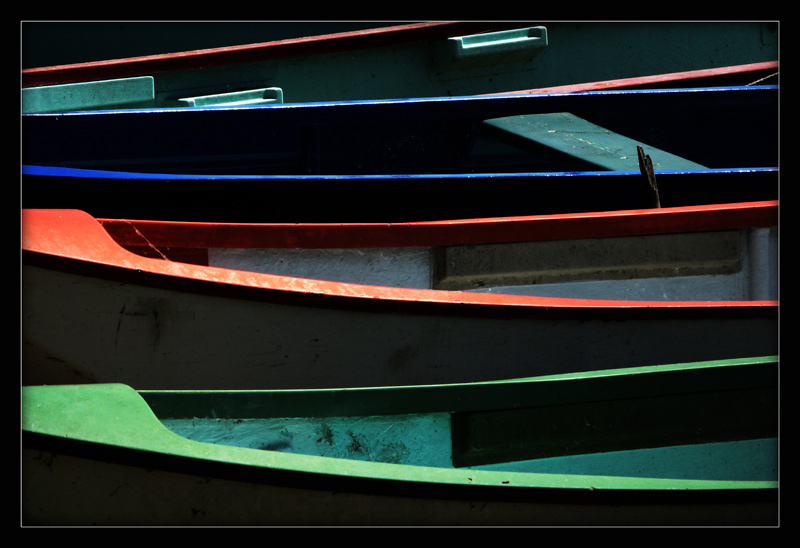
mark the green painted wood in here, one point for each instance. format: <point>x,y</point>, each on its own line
<point>690,421</point>
<point>701,411</point>
<point>105,94</point>
<point>109,444</point>
<point>564,134</point>
<point>548,390</point>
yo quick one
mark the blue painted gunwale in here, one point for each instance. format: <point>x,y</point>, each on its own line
<point>414,197</point>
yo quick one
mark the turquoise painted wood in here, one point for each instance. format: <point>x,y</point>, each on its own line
<point>133,92</point>
<point>136,92</point>
<point>563,133</point>
<point>555,450</point>
<point>644,416</point>
<point>264,96</point>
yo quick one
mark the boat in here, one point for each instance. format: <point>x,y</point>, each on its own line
<point>382,198</point>
<point>698,128</point>
<point>94,311</point>
<point>691,444</point>
<point>429,59</point>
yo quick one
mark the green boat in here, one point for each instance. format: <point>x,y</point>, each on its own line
<point>432,59</point>
<point>685,444</point>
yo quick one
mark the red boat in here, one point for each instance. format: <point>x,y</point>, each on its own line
<point>94,311</point>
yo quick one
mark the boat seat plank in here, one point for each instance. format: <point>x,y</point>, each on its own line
<point>564,133</point>
<point>105,94</point>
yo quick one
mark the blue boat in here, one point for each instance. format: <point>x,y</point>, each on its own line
<point>732,127</point>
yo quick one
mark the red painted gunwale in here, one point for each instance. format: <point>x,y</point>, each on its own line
<point>338,42</point>
<point>75,240</point>
<point>687,79</point>
<point>251,53</point>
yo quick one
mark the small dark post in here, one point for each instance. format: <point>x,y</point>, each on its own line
<point>646,167</point>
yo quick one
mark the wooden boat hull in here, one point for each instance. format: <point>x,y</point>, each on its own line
<point>496,134</point>
<point>94,312</point>
<point>161,455</point>
<point>437,60</point>
<point>401,198</point>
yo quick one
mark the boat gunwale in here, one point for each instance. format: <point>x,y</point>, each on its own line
<point>456,107</point>
<point>91,173</point>
<point>765,68</point>
<point>543,390</point>
<point>304,471</point>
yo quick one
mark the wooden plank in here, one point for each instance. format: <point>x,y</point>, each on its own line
<point>564,134</point>
<point>117,93</point>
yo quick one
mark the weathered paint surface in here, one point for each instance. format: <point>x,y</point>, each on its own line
<point>160,324</point>
<point>715,266</point>
<point>158,477</point>
<point>439,59</point>
<point>150,337</point>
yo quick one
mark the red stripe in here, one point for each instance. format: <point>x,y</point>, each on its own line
<point>685,78</point>
<point>266,51</point>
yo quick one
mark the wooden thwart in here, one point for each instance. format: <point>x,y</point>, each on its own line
<point>565,134</point>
